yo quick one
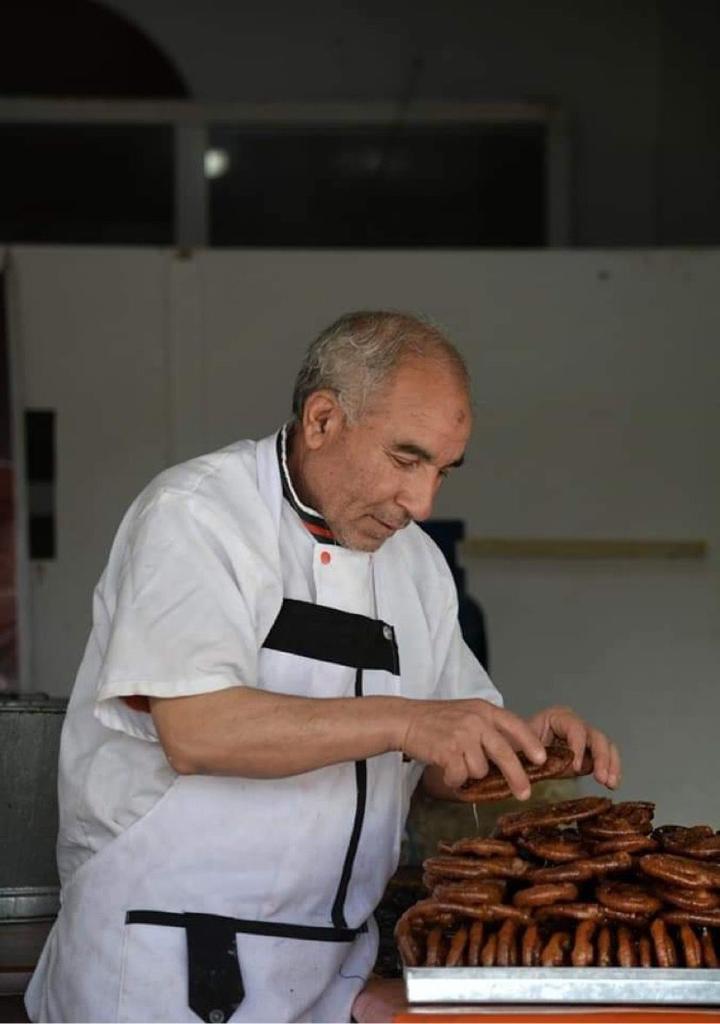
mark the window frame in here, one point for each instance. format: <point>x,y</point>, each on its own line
<point>191,122</point>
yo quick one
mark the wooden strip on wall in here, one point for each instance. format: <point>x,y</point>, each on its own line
<point>563,547</point>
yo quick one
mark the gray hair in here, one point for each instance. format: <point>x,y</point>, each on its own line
<point>357,354</point>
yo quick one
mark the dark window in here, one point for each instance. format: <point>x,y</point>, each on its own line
<point>447,186</point>
<point>103,184</point>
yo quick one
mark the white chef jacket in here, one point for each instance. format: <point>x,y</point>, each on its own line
<point>110,779</point>
<point>202,565</point>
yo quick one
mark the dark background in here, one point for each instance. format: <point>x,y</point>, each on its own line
<point>639,82</point>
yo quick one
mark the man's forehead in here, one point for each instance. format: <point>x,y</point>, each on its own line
<point>411,395</point>
<point>423,409</point>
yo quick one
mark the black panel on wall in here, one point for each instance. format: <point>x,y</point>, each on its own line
<point>40,470</point>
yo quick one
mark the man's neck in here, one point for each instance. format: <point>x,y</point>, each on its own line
<point>300,501</point>
<point>295,461</point>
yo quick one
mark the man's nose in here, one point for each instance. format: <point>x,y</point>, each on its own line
<point>417,496</point>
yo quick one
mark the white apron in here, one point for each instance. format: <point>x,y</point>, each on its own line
<point>249,899</point>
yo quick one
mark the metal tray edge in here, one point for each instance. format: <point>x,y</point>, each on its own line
<point>557,985</point>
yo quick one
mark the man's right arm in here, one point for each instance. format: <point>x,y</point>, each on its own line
<point>254,733</point>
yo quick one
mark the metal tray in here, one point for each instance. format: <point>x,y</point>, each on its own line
<point>558,985</point>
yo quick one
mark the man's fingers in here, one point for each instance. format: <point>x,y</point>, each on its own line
<point>520,736</point>
<point>577,737</point>
<point>606,760</point>
<point>460,737</point>
<point>502,754</point>
<point>565,725</point>
<point>600,749</point>
<point>455,772</point>
<point>542,727</point>
<point>615,770</point>
<point>477,763</point>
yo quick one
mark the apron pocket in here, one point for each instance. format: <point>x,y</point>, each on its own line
<point>215,985</point>
<point>155,964</point>
<point>159,955</point>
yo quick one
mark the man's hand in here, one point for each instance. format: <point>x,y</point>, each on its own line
<point>460,738</point>
<point>562,723</point>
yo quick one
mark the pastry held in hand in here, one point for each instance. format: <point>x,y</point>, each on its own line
<point>494,786</point>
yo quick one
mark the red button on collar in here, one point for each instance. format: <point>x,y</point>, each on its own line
<point>325,557</point>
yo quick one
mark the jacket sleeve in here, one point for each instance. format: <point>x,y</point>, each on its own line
<point>191,604</point>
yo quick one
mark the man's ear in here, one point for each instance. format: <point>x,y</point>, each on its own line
<point>322,418</point>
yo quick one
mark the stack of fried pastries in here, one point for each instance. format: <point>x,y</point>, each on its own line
<point>582,883</point>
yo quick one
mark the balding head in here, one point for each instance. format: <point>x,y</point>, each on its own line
<point>357,355</point>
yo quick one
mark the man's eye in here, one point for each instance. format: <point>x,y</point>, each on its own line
<point>404,463</point>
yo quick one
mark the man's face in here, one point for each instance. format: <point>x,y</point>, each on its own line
<point>373,477</point>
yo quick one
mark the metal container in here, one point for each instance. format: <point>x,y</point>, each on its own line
<point>30,727</point>
<point>560,986</point>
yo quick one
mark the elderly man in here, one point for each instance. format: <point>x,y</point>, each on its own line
<point>275,660</point>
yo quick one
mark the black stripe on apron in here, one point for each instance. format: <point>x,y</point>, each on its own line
<point>215,985</point>
<point>326,634</point>
<point>338,910</point>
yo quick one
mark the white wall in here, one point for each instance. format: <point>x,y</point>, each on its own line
<point>596,379</point>
<point>89,331</point>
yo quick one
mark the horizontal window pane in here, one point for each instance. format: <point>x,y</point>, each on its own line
<point>86,183</point>
<point>460,185</point>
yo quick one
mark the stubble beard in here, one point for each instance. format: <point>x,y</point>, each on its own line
<point>356,540</point>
